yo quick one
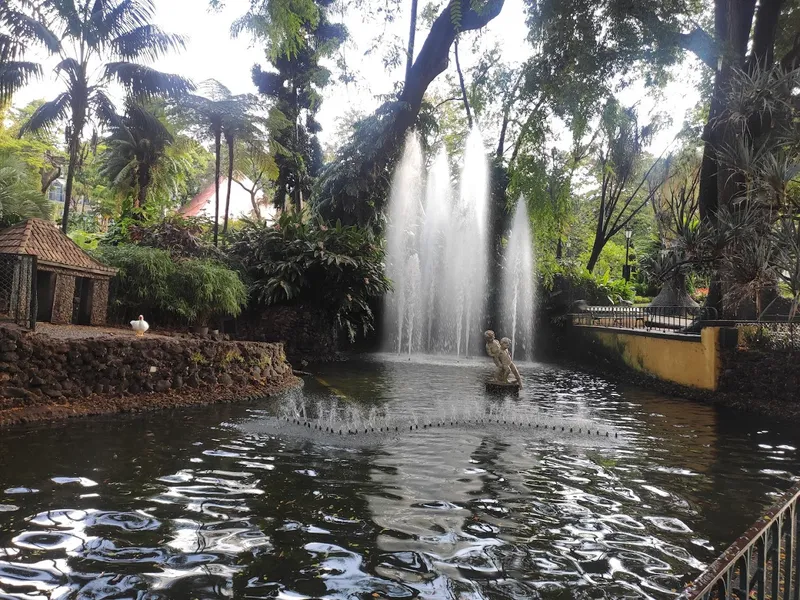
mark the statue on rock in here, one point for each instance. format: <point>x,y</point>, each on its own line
<point>499,352</point>
<point>508,364</point>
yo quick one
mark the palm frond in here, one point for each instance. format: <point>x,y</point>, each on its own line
<point>104,108</point>
<point>20,27</point>
<point>48,114</point>
<point>144,82</point>
<point>15,75</point>
<point>148,42</point>
<point>71,67</point>
<point>126,16</point>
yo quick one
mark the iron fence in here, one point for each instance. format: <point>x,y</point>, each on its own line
<point>18,289</point>
<point>678,319</point>
<point>762,563</point>
<point>770,335</point>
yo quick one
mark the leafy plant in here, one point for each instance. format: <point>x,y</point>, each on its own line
<point>181,236</point>
<point>339,269</point>
<point>154,280</point>
<point>206,288</point>
<point>99,44</point>
<point>17,200</point>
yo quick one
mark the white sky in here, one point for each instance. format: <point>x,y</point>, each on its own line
<point>211,53</point>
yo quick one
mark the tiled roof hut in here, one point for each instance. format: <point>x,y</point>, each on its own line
<point>71,286</point>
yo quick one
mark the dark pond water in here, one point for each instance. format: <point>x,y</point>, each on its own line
<point>222,502</point>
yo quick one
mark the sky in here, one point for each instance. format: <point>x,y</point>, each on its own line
<point>212,53</point>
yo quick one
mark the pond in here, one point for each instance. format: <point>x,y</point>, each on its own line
<point>229,501</point>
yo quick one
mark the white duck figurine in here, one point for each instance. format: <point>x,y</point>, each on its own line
<point>140,326</point>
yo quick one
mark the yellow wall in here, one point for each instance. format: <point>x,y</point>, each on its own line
<point>686,362</point>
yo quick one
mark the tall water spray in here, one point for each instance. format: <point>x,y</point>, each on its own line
<point>518,289</point>
<point>437,253</point>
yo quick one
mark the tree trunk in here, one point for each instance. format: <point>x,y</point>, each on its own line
<point>254,202</point>
<point>73,159</point>
<point>48,177</point>
<point>673,293</point>
<point>412,33</point>
<point>229,140</point>
<point>143,177</point>
<point>217,149</point>
<point>352,197</point>
<point>463,86</point>
<point>597,248</point>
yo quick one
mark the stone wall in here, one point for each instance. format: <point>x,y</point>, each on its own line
<point>765,381</point>
<point>308,333</point>
<point>100,301</point>
<point>36,369</point>
<point>63,299</point>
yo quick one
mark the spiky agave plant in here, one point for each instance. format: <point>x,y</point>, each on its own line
<point>101,42</point>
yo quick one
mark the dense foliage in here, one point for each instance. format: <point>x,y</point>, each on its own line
<point>337,268</point>
<point>153,281</point>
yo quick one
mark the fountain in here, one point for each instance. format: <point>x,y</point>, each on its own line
<point>518,293</point>
<point>437,253</point>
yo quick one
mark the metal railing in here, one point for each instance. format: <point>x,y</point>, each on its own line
<point>18,302</point>
<point>762,563</point>
<point>678,319</point>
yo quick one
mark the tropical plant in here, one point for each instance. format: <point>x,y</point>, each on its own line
<point>339,269</point>
<point>137,145</point>
<point>207,288</point>
<point>18,30</point>
<point>256,169</point>
<point>152,280</point>
<point>17,198</point>
<point>142,283</point>
<point>181,236</point>
<point>116,34</point>
<point>787,258</point>
<point>219,112</point>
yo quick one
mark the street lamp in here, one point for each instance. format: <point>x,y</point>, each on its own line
<point>626,270</point>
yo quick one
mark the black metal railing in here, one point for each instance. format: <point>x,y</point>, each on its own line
<point>678,319</point>
<point>18,302</point>
<point>770,335</point>
<point>762,563</point>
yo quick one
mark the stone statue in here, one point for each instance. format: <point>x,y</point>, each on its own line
<point>499,351</point>
<point>508,365</point>
<point>493,349</point>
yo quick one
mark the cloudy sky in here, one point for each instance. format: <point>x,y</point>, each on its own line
<point>211,53</point>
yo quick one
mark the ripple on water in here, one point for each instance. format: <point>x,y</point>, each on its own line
<point>470,511</point>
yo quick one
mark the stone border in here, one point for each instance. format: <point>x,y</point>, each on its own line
<point>103,405</point>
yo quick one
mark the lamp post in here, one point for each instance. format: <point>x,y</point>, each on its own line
<point>626,270</point>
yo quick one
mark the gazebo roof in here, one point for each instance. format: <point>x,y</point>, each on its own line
<point>52,248</point>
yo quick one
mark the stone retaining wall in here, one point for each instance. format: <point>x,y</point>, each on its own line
<point>36,369</point>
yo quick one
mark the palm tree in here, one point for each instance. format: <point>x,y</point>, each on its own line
<point>92,31</point>
<point>137,146</point>
<point>17,30</point>
<point>219,112</point>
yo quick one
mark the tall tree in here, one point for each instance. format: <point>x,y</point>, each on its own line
<point>107,38</point>
<point>138,143</point>
<point>256,168</point>
<point>216,110</point>
<point>297,44</point>
<point>354,187</point>
<point>626,187</point>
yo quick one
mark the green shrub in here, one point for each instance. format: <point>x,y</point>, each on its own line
<point>205,288</point>
<point>339,269</point>
<point>190,290</point>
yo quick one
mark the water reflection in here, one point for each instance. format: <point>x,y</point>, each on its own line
<point>204,504</point>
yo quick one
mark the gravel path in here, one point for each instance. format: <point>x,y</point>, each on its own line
<point>76,332</point>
